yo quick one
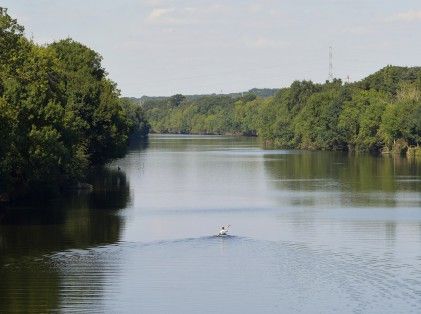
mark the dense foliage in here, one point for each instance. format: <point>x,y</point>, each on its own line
<point>259,92</point>
<point>59,113</point>
<point>381,112</point>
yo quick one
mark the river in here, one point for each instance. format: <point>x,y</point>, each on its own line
<point>311,232</point>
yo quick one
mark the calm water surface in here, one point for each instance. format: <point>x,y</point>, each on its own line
<point>312,232</point>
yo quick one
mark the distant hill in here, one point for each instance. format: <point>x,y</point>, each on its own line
<point>259,92</point>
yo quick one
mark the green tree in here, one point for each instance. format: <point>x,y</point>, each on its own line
<point>59,113</point>
<point>360,119</point>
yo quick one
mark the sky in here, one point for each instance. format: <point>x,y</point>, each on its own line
<point>164,47</point>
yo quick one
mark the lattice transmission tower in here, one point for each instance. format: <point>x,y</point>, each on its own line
<point>330,77</point>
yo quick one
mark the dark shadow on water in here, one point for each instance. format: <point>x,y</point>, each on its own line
<point>138,143</point>
<point>111,189</point>
<point>77,220</point>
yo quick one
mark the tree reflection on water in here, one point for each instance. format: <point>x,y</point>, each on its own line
<point>30,281</point>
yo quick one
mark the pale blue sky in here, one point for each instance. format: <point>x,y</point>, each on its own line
<point>163,47</point>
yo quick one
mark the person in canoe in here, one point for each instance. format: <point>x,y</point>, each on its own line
<point>224,230</point>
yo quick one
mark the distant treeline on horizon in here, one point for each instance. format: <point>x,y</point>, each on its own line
<point>379,113</point>
<point>259,92</point>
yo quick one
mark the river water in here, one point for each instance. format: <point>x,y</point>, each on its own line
<point>311,232</point>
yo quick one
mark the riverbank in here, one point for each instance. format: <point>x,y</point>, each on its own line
<point>369,115</point>
<point>61,115</point>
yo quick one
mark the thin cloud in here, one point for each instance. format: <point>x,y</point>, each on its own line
<point>185,15</point>
<point>357,30</point>
<point>264,42</point>
<point>157,14</point>
<point>409,16</point>
<point>171,16</point>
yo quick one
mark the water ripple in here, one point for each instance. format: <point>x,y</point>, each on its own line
<point>211,272</point>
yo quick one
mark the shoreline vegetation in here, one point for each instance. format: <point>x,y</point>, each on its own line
<point>60,115</point>
<point>379,114</point>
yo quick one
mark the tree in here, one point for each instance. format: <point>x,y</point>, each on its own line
<point>360,119</point>
<point>176,100</point>
<point>59,113</point>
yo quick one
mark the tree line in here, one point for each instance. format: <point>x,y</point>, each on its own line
<point>379,113</point>
<point>59,113</point>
